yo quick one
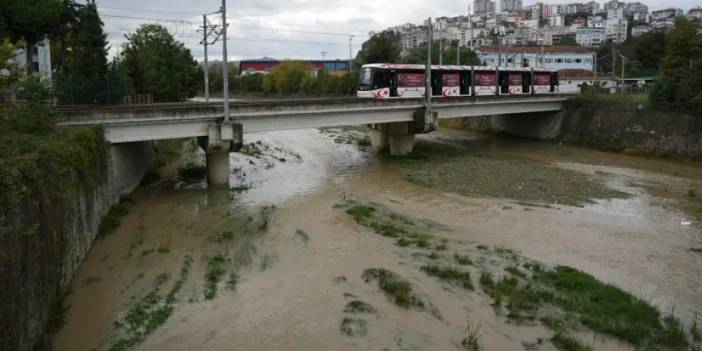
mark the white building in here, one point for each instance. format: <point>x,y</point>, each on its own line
<point>637,31</point>
<point>635,10</point>
<point>613,5</point>
<point>616,26</point>
<point>556,21</point>
<point>41,60</point>
<point>596,22</point>
<point>593,7</point>
<point>590,37</point>
<point>665,19</point>
<point>483,7</point>
<point>532,23</point>
<point>695,13</point>
<point>510,5</point>
<point>551,57</point>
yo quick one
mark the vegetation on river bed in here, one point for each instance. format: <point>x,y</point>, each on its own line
<point>149,312</point>
<point>455,170</point>
<point>561,298</point>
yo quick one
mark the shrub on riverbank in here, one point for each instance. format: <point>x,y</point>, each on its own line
<point>42,171</point>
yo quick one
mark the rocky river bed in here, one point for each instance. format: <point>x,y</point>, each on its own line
<point>472,242</point>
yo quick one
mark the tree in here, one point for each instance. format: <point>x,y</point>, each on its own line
<point>380,47</point>
<point>158,64</point>
<point>682,69</point>
<point>9,72</point>
<point>30,20</point>
<point>419,55</point>
<point>83,71</point>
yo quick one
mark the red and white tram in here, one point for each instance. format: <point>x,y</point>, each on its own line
<point>386,81</point>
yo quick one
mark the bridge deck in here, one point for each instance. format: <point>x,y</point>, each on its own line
<point>179,120</point>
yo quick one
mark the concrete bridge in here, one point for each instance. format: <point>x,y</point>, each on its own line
<point>393,122</point>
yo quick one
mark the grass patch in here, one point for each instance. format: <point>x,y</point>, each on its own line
<point>302,235</point>
<point>607,309</point>
<point>357,306</point>
<point>223,237</point>
<point>395,287</point>
<point>463,260</point>
<point>389,225</point>
<point>214,271</point>
<point>565,342</point>
<point>449,274</point>
<point>471,337</point>
<point>695,332</point>
<point>148,313</point>
<point>516,272</point>
<point>522,302</point>
<point>136,241</point>
<point>360,213</point>
<point>164,249</point>
<point>354,327</point>
<point>113,219</point>
<point>232,281</point>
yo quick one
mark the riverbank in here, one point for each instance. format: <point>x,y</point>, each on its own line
<point>204,278</point>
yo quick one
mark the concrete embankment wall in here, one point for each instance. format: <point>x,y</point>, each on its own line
<point>46,244</point>
<point>611,127</point>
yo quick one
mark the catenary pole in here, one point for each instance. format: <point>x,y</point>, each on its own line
<point>207,65</point>
<point>427,70</point>
<point>350,51</point>
<point>225,65</point>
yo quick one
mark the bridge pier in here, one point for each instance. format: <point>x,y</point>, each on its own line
<point>217,160</point>
<point>379,137</point>
<point>398,138</point>
<point>222,139</point>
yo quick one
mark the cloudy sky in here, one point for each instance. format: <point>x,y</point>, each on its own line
<point>280,29</point>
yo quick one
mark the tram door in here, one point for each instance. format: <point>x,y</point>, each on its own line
<point>526,83</point>
<point>465,83</point>
<point>436,83</point>
<point>393,83</point>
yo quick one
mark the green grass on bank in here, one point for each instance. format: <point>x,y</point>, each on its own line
<point>601,307</point>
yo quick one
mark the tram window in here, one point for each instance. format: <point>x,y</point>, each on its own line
<point>381,79</point>
<point>365,78</point>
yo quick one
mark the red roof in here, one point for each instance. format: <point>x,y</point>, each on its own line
<point>533,49</point>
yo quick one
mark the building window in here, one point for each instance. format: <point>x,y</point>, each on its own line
<point>569,60</point>
<point>35,66</point>
<point>577,60</point>
<point>559,60</point>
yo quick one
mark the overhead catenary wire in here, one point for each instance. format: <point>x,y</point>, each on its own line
<point>254,39</point>
<point>249,27</point>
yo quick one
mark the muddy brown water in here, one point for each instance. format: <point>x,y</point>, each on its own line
<point>295,300</point>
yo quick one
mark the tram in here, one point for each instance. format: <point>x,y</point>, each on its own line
<point>398,81</point>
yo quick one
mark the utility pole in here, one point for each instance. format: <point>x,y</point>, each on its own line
<point>350,51</point>
<point>206,31</point>
<point>614,63</point>
<point>458,47</point>
<point>594,71</point>
<point>441,51</point>
<point>427,69</point>
<point>225,65</point>
<point>623,64</point>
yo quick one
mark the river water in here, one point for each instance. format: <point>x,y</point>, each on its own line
<point>305,263</point>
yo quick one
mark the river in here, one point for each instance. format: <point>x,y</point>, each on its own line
<point>299,258</point>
